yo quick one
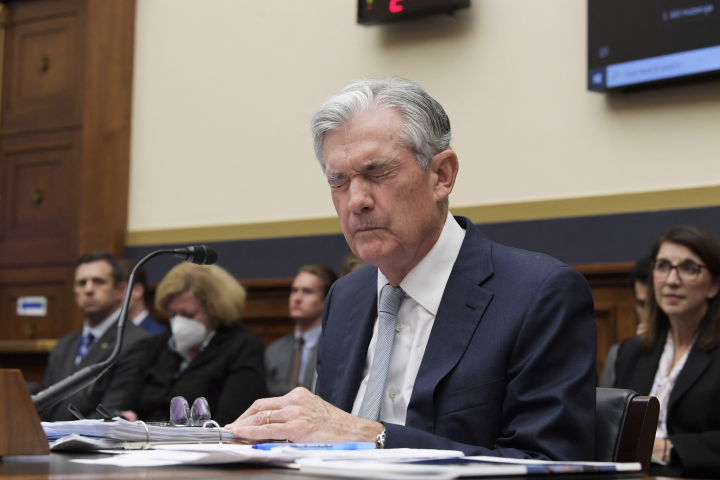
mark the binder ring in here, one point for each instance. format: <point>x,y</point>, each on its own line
<point>213,422</point>
<point>147,431</point>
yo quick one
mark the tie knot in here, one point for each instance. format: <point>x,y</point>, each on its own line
<point>390,299</point>
<point>89,338</point>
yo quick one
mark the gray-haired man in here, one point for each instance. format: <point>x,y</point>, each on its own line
<point>446,340</point>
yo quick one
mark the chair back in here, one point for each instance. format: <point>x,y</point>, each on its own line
<point>625,426</point>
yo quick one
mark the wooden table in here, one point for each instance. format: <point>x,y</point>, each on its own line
<point>57,466</point>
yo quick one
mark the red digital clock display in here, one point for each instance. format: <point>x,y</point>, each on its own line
<point>384,11</point>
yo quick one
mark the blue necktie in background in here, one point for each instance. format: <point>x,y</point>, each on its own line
<point>85,343</point>
<point>390,299</point>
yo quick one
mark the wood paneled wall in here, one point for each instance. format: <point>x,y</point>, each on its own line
<point>614,305</point>
<point>64,152</point>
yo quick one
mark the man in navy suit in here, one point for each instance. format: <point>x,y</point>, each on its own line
<point>446,340</point>
<point>137,310</point>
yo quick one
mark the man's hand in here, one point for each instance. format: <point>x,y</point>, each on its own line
<point>301,416</point>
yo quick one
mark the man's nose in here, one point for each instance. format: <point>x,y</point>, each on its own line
<point>360,197</point>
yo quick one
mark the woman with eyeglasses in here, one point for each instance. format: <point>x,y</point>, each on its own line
<point>206,353</point>
<point>677,359</point>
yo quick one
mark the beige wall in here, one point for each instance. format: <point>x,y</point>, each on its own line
<point>224,90</point>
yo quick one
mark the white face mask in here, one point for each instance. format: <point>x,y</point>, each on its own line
<point>187,333</point>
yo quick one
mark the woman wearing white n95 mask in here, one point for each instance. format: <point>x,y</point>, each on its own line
<point>205,353</point>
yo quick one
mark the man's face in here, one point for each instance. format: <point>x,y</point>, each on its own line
<point>387,205</point>
<point>306,298</point>
<point>95,294</point>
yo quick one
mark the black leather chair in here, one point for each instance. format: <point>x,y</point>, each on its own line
<point>625,426</point>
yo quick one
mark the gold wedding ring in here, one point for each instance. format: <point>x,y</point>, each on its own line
<point>268,416</point>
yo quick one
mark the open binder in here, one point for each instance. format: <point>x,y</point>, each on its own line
<point>86,435</point>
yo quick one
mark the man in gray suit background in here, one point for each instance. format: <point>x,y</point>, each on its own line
<point>290,361</point>
<point>99,289</point>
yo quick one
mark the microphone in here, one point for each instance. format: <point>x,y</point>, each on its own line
<point>199,254</point>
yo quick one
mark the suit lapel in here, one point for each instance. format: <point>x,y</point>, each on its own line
<point>354,349</point>
<point>102,347</point>
<point>68,359</point>
<point>209,353</point>
<point>695,365</point>
<point>461,309</point>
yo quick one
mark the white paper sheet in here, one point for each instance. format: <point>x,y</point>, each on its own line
<point>199,454</point>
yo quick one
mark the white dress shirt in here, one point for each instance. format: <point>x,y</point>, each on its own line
<point>140,317</point>
<point>99,330</point>
<point>424,286</point>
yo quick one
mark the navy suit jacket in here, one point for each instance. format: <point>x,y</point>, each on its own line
<point>509,368</point>
<point>152,326</point>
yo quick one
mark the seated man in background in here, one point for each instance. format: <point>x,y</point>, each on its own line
<point>139,314</point>
<point>351,263</point>
<point>99,290</point>
<point>290,361</point>
<point>639,281</point>
<point>446,339</point>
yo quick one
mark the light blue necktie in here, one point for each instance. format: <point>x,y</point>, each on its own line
<point>85,343</point>
<point>390,299</point>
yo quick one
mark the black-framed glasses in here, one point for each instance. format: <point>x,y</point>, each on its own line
<point>687,270</point>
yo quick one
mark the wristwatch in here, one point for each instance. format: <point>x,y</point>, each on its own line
<point>380,439</point>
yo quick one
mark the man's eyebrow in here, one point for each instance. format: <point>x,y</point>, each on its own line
<point>371,166</point>
<point>335,177</point>
<point>380,164</point>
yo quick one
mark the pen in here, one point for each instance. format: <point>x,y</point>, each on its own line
<point>319,446</point>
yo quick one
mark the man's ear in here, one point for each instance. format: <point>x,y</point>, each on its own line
<point>138,291</point>
<point>120,290</point>
<point>445,166</point>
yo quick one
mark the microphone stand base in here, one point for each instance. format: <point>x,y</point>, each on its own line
<point>20,429</point>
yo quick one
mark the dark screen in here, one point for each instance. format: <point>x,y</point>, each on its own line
<point>625,30</point>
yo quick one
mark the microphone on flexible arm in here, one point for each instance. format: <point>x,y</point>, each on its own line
<point>199,254</point>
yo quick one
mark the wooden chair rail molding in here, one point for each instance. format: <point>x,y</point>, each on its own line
<point>43,345</point>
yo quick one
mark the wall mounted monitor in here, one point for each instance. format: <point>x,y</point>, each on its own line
<point>373,12</point>
<point>639,42</point>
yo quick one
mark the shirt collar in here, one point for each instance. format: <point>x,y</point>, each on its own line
<point>140,317</point>
<point>311,337</point>
<point>425,283</point>
<point>102,327</point>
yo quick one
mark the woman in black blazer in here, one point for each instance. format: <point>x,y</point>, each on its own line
<point>205,353</point>
<point>678,358</point>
